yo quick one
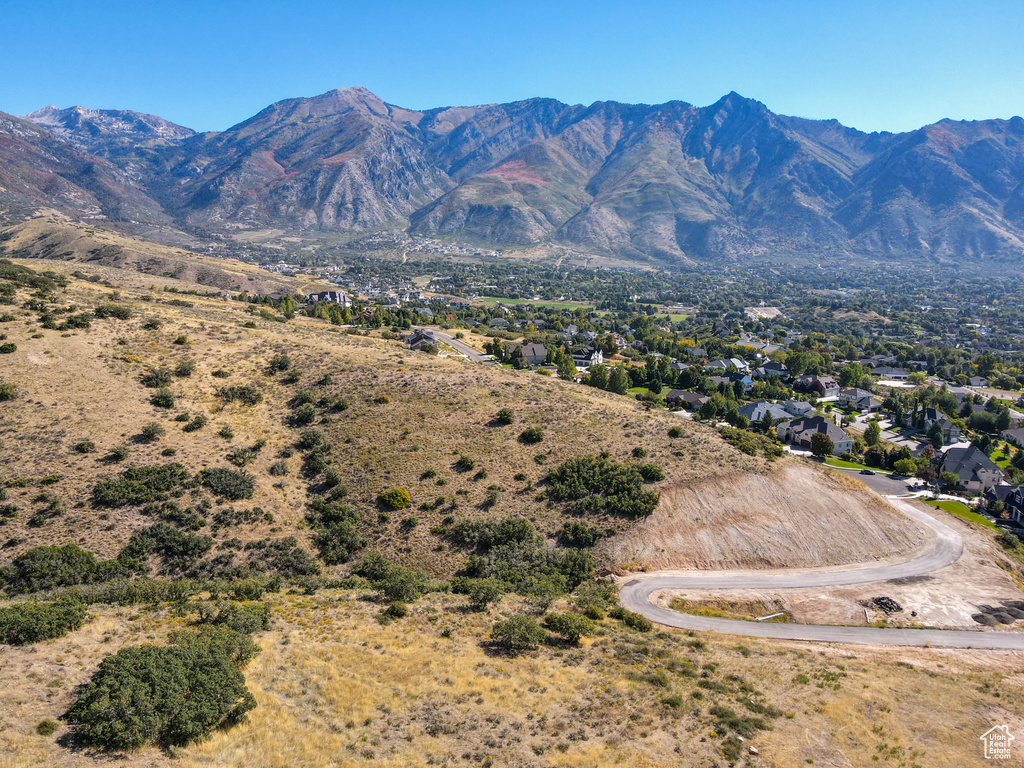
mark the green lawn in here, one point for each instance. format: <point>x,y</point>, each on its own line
<point>1001,459</point>
<point>832,461</point>
<point>962,511</point>
<point>638,390</point>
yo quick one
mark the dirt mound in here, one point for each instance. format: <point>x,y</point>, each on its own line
<point>797,516</point>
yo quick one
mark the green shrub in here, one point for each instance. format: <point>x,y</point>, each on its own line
<point>182,340</point>
<point>155,378</point>
<point>7,391</point>
<point>394,582</point>
<point>152,431</point>
<point>8,347</point>
<point>394,499</point>
<point>117,311</point>
<point>579,535</point>
<point>227,483</point>
<point>631,620</point>
<point>505,416</point>
<point>639,453</point>
<point>531,435</point>
<point>226,432</point>
<point>593,613</point>
<point>517,634</point>
<point>246,394</point>
<point>304,414</point>
<point>570,626</point>
<point>185,368</point>
<point>162,398</point>
<point>675,432</point>
<point>46,727</point>
<point>31,622</point>
<point>140,485</point>
<point>465,464</point>
<point>170,696</point>
<point>244,618</point>
<point>118,453</point>
<point>590,484</point>
<point>481,592</point>
<point>651,473</point>
<point>396,610</point>
<point>197,423</point>
<point>220,373</point>
<point>179,550</point>
<point>86,446</point>
<point>42,568</point>
<point>279,362</point>
<point>279,468</point>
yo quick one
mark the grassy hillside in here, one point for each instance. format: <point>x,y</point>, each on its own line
<point>334,686</point>
<point>185,437</point>
<point>56,239</point>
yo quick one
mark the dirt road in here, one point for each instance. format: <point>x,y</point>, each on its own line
<point>635,594</point>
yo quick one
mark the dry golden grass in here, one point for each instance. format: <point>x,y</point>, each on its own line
<point>84,385</point>
<point>60,241</point>
<point>336,688</point>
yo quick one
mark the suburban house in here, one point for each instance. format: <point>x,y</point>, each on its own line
<point>977,381</point>
<point>680,398</point>
<point>975,471</point>
<point>800,431</point>
<point>1014,436</point>
<point>1012,497</point>
<point>769,368</point>
<point>822,386</point>
<point>696,352</point>
<point>892,374</point>
<point>755,412</point>
<point>587,357</point>
<point>950,431</point>
<point>418,339</point>
<point>330,297</point>
<point>531,354</point>
<point>724,364</point>
<point>797,408</point>
<point>859,400</point>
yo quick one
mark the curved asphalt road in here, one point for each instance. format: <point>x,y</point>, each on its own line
<point>636,593</point>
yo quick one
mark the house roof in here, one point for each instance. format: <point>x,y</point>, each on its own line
<point>756,411</point>
<point>802,428</point>
<point>967,462</point>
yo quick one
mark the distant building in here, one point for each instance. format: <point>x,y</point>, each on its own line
<point>330,297</point>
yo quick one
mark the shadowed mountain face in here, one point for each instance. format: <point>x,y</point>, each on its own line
<point>670,182</point>
<point>39,170</point>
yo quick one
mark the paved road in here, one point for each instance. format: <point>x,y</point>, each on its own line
<point>468,351</point>
<point>636,593</point>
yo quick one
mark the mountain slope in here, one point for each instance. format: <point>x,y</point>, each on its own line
<point>671,182</point>
<point>37,169</point>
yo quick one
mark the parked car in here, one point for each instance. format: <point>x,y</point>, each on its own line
<point>867,471</point>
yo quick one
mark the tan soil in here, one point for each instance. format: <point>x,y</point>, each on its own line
<point>945,598</point>
<point>796,517</point>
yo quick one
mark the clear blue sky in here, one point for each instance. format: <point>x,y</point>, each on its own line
<point>891,65</point>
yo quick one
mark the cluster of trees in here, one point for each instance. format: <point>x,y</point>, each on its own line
<point>595,484</point>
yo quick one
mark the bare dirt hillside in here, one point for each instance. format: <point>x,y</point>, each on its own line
<point>55,238</point>
<point>796,516</point>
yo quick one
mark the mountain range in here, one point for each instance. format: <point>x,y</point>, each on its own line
<point>672,182</point>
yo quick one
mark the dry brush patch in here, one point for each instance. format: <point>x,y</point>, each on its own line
<point>333,687</point>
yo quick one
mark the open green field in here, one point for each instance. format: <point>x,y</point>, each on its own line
<point>962,511</point>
